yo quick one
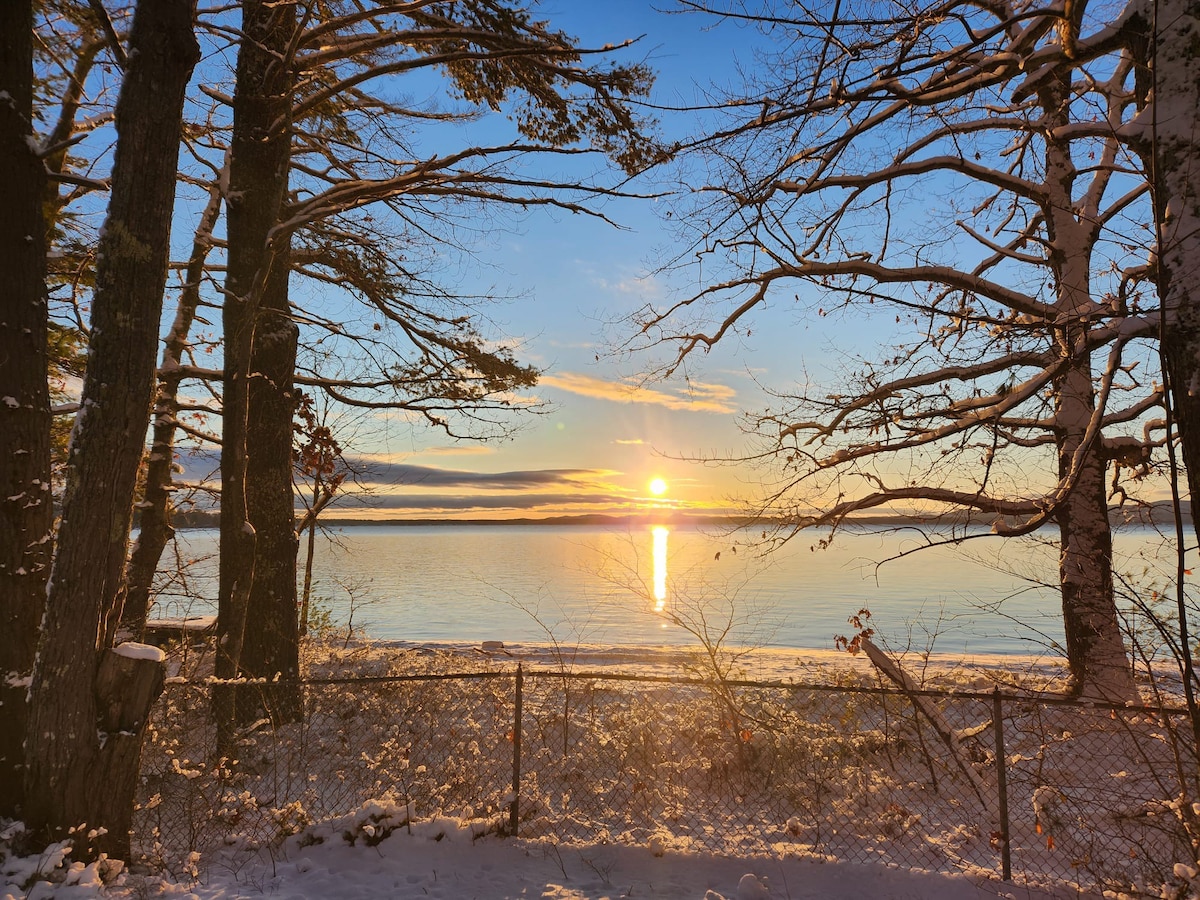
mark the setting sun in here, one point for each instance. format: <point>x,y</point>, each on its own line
<point>658,487</point>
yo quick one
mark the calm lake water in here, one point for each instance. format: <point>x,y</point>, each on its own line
<point>575,584</point>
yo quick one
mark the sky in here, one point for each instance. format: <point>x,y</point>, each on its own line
<point>572,283</point>
<point>564,289</point>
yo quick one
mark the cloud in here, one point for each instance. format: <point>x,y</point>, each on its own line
<point>639,285</point>
<point>635,442</point>
<point>384,473</point>
<point>491,502</point>
<point>430,477</point>
<point>428,490</point>
<point>697,397</point>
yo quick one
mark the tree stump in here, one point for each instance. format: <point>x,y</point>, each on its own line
<point>129,681</point>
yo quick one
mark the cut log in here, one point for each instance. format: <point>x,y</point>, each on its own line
<point>130,679</point>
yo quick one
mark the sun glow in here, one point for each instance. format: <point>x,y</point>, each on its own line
<point>658,487</point>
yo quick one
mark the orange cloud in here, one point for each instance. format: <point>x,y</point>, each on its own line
<point>697,397</point>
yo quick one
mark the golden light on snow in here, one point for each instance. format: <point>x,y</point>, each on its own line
<point>658,487</point>
<point>660,567</point>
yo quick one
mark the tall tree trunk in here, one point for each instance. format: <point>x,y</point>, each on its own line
<point>1175,154</point>
<point>1096,655</point>
<point>258,174</point>
<point>1176,168</point>
<point>272,639</point>
<point>1163,36</point>
<point>155,513</point>
<point>77,771</point>
<point>26,512</point>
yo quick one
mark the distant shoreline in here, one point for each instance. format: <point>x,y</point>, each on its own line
<point>1158,514</point>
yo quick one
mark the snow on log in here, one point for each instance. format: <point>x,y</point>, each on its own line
<point>134,650</point>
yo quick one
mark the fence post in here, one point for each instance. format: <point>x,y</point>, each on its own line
<point>516,782</point>
<point>1001,785</point>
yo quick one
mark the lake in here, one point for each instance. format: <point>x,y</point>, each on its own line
<point>584,584</point>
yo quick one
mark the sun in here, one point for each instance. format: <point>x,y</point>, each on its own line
<point>658,487</point>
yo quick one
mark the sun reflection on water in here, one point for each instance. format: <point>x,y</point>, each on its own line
<point>660,567</point>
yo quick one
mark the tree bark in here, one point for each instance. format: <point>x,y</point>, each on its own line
<point>26,513</point>
<point>272,640</point>
<point>1097,659</point>
<point>71,777</point>
<point>128,681</point>
<point>1096,656</point>
<point>1165,132</point>
<point>258,174</point>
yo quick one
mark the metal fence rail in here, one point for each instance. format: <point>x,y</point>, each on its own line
<point>1091,795</point>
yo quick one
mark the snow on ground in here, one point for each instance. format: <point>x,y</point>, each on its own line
<point>980,670</point>
<point>440,859</point>
<point>415,866</point>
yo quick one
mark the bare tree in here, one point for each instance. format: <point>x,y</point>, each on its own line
<point>1032,263</point>
<point>84,736</point>
<point>321,473</point>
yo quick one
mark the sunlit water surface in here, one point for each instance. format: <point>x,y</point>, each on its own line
<point>576,584</point>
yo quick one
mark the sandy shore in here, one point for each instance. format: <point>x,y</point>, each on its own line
<point>975,672</point>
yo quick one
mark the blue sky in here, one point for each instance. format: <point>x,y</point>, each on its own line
<point>575,282</point>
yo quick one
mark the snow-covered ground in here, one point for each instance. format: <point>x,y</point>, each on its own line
<point>440,859</point>
<point>374,852</point>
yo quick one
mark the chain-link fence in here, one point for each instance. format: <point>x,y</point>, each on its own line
<point>437,742</point>
<point>1091,795</point>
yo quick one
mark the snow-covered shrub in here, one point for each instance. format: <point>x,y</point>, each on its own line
<point>373,821</point>
<point>291,818</point>
<point>21,870</point>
